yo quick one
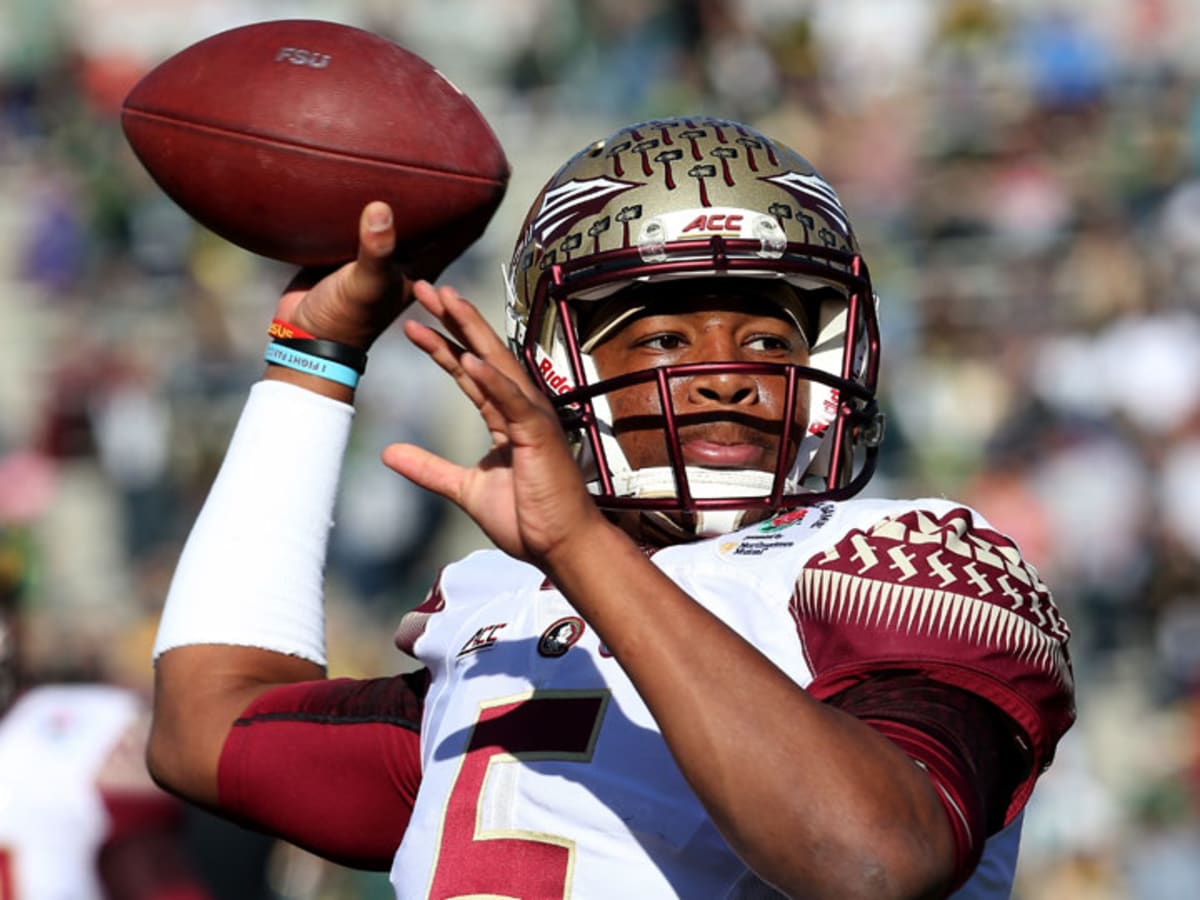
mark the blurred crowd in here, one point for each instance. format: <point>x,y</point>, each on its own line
<point>1024,177</point>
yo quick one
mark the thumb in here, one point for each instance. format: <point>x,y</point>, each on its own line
<point>376,241</point>
<point>425,469</point>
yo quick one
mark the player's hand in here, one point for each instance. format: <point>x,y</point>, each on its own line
<point>355,303</point>
<point>526,493</point>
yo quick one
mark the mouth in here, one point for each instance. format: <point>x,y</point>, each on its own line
<point>721,455</point>
<point>723,442</point>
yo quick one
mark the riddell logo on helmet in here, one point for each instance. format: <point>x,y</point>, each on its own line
<point>714,222</point>
<point>829,411</point>
<point>560,384</point>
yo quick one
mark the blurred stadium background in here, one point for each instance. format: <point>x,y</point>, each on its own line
<point>1025,178</point>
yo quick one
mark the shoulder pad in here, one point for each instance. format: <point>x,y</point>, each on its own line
<point>942,593</point>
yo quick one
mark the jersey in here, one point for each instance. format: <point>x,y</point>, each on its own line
<point>54,743</point>
<point>543,773</point>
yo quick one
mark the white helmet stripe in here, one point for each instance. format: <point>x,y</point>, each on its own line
<point>561,203</point>
<point>817,189</point>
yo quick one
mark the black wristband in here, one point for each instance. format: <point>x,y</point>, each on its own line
<point>353,357</point>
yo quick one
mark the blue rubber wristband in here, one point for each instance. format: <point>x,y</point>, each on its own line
<point>313,365</point>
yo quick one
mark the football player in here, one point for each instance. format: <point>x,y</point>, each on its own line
<point>692,666</point>
<point>79,814</point>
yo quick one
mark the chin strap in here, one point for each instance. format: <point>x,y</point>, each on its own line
<point>704,484</point>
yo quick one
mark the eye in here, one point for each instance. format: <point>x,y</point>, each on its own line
<point>769,343</point>
<point>663,341</point>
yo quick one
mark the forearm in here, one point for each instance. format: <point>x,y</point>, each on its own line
<point>245,607</point>
<point>815,801</point>
<point>245,610</point>
<point>199,691</point>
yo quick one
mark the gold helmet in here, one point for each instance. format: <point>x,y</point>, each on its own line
<point>698,198</point>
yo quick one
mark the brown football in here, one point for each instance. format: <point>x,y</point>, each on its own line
<point>275,135</point>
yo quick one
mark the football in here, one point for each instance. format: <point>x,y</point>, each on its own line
<point>275,135</point>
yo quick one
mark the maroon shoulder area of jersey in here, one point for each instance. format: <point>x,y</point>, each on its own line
<point>946,597</point>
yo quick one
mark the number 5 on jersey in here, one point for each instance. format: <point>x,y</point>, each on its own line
<point>473,861</point>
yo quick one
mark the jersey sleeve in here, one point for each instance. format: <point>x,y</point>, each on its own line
<point>973,753</point>
<point>331,766</point>
<point>942,595</point>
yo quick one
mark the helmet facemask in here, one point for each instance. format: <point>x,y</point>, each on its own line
<point>570,290</point>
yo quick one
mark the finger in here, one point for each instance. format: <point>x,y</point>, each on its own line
<point>460,317</point>
<point>468,326</point>
<point>434,299</point>
<point>526,416</point>
<point>376,234</point>
<point>425,469</point>
<point>448,357</point>
<point>427,295</point>
<point>446,354</point>
<point>375,271</point>
<point>479,336</point>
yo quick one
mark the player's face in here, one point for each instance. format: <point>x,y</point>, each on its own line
<point>727,419</point>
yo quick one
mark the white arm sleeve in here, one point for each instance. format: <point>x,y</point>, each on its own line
<point>252,570</point>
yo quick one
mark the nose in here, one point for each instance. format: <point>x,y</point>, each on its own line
<point>722,387</point>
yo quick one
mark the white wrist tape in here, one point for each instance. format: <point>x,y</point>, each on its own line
<point>252,570</point>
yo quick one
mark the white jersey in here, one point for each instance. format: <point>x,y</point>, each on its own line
<point>53,744</point>
<point>544,773</point>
